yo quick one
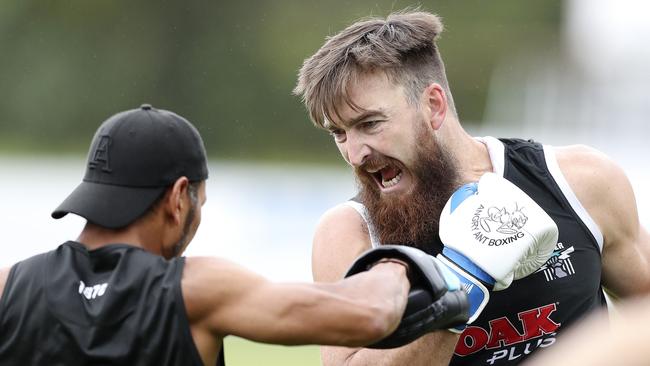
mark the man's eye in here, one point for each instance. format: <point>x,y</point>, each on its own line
<point>339,135</point>
<point>370,124</point>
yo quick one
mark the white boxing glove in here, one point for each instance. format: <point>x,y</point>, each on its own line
<point>494,233</point>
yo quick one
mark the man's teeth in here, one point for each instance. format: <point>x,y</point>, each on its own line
<point>392,182</point>
<point>375,170</point>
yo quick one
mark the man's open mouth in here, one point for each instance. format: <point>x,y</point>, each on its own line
<point>387,176</point>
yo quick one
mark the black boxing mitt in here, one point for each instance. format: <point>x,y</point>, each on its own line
<point>435,300</point>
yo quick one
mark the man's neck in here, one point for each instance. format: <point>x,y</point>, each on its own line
<point>476,160</point>
<point>94,237</point>
<point>472,156</point>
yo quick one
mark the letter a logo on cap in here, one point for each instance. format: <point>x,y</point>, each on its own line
<point>100,155</point>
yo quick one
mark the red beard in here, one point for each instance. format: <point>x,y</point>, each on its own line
<point>412,218</point>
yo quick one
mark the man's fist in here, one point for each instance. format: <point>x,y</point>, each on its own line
<point>493,233</point>
<point>435,299</point>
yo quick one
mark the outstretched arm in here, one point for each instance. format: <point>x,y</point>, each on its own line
<point>224,298</point>
<point>350,312</point>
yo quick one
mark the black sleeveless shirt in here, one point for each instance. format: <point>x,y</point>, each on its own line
<point>529,315</point>
<point>116,305</point>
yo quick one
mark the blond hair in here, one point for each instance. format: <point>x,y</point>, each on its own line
<point>402,46</point>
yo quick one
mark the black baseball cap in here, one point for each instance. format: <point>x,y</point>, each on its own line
<point>133,158</point>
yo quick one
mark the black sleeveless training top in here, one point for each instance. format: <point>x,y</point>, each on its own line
<point>529,314</point>
<point>533,310</point>
<point>116,305</point>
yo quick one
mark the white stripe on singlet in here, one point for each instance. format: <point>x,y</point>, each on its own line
<point>361,209</point>
<point>496,150</point>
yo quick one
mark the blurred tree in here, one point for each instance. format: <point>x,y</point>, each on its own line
<point>228,66</point>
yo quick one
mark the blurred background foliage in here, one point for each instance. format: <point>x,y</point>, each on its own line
<point>229,67</point>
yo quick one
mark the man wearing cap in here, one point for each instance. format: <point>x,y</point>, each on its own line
<point>122,294</point>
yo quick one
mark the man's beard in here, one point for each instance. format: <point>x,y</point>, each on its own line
<point>181,244</point>
<point>413,218</point>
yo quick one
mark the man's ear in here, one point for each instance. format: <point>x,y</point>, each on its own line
<point>435,102</point>
<point>174,203</point>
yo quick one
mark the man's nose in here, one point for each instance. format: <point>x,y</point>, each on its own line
<point>358,151</point>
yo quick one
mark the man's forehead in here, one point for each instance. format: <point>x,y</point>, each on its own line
<point>369,93</point>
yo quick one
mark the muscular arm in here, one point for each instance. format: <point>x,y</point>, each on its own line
<point>606,193</point>
<point>222,298</point>
<point>340,237</point>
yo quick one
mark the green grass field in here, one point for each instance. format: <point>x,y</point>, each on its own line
<point>240,352</point>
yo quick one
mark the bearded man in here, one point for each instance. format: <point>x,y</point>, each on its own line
<point>379,87</point>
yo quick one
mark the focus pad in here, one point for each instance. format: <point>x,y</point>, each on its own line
<point>423,316</point>
<point>423,271</point>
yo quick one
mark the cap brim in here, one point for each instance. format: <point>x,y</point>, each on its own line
<point>106,205</point>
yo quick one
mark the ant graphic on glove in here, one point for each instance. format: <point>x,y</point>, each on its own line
<point>510,222</point>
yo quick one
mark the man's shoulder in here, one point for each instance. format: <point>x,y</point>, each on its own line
<point>30,266</point>
<point>344,219</point>
<point>341,235</point>
<point>580,151</point>
<point>600,184</point>
<point>582,164</point>
<point>30,263</point>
